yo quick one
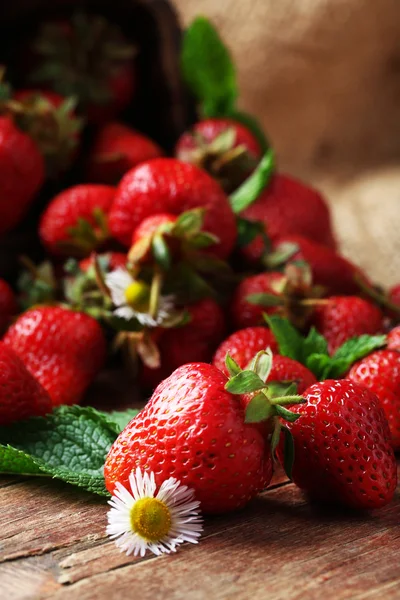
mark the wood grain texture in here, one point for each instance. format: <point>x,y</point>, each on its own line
<point>53,545</point>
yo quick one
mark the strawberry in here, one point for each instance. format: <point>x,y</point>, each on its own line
<point>63,349</point>
<point>151,225</point>
<point>340,318</point>
<point>393,339</point>
<point>380,373</point>
<point>246,314</point>
<point>8,305</point>
<point>167,185</point>
<point>342,449</point>
<point>193,342</point>
<point>21,395</point>
<point>243,345</point>
<point>194,430</point>
<point>114,260</point>
<point>223,147</point>
<point>22,173</point>
<point>335,273</point>
<point>286,207</point>
<point>75,221</point>
<point>89,58</point>
<point>117,149</point>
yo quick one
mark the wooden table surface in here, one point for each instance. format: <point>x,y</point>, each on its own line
<point>53,545</point>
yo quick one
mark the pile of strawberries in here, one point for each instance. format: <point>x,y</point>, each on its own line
<point>210,276</point>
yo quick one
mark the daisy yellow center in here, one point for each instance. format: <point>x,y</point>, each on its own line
<point>137,295</point>
<point>151,519</point>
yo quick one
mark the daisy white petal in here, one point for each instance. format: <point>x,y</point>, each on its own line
<point>117,281</point>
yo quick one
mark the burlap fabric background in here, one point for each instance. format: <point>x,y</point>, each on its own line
<point>324,77</point>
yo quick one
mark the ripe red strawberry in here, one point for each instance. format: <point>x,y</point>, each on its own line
<point>194,430</point>
<point>223,147</point>
<point>89,58</point>
<point>243,345</point>
<point>342,449</point>
<point>167,185</point>
<point>75,221</point>
<point>394,294</point>
<point>149,226</point>
<point>193,342</point>
<point>343,317</point>
<point>63,349</point>
<point>288,206</point>
<point>393,339</point>
<point>22,173</point>
<point>330,270</point>
<point>117,149</point>
<point>21,395</point>
<point>245,314</point>
<point>114,259</point>
<point>8,305</point>
<point>380,373</point>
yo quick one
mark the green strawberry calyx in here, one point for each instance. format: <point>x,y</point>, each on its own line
<point>268,399</point>
<point>85,237</point>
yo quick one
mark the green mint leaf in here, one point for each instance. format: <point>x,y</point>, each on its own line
<point>16,461</point>
<point>314,343</point>
<point>352,350</point>
<point>288,451</point>
<point>245,383</point>
<point>250,189</point>
<point>258,409</point>
<point>208,69</point>
<point>248,231</point>
<point>319,365</point>
<point>253,125</point>
<point>264,299</point>
<point>122,417</point>
<point>70,444</point>
<point>289,340</point>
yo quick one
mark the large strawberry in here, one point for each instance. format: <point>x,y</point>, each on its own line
<point>288,206</point>
<point>89,58</point>
<point>22,173</point>
<point>380,373</point>
<point>167,185</point>
<point>342,450</point>
<point>117,149</point>
<point>223,147</point>
<point>63,349</point>
<point>194,430</point>
<point>340,318</point>
<point>8,305</point>
<point>21,395</point>
<point>75,221</point>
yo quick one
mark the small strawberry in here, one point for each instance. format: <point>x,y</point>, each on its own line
<point>340,318</point>
<point>89,58</point>
<point>75,221</point>
<point>223,147</point>
<point>247,314</point>
<point>8,305</point>
<point>167,185</point>
<point>113,259</point>
<point>22,173</point>
<point>393,339</point>
<point>117,149</point>
<point>285,207</point>
<point>243,345</point>
<point>21,395</point>
<point>342,449</point>
<point>63,349</point>
<point>380,373</point>
<point>152,225</point>
<point>394,294</point>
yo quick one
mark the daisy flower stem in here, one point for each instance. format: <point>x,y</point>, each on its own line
<point>155,292</point>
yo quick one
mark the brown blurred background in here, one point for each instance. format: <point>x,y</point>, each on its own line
<point>324,78</point>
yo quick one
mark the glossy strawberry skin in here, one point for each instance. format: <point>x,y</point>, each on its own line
<point>194,430</point>
<point>342,450</point>
<point>129,148</point>
<point>8,305</point>
<point>243,345</point>
<point>22,173</point>
<point>290,370</point>
<point>194,342</point>
<point>380,373</point>
<point>63,349</point>
<point>288,206</point>
<point>169,185</point>
<point>21,395</point>
<point>393,339</point>
<point>65,210</point>
<point>116,260</point>
<point>344,317</point>
<point>394,294</point>
<point>245,314</point>
<point>335,273</point>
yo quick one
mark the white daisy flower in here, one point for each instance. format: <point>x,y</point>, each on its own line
<point>140,521</point>
<point>131,298</point>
